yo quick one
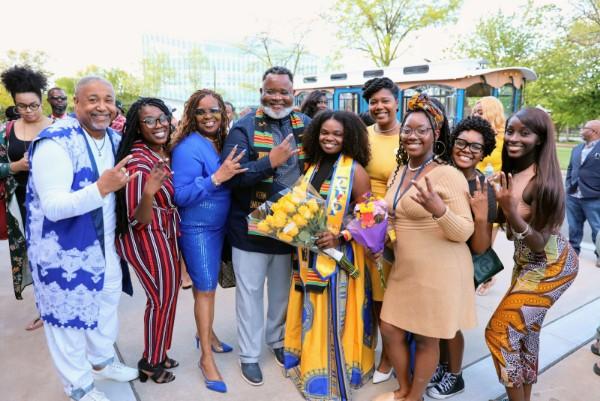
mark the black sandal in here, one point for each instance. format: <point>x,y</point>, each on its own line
<point>597,369</point>
<point>157,373</point>
<point>169,363</point>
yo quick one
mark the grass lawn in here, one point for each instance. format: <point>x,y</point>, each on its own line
<point>563,151</point>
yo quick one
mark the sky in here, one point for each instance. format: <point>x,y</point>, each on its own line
<point>108,33</point>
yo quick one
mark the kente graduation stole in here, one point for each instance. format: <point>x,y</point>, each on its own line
<point>314,275</point>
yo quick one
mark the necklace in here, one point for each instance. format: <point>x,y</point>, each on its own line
<point>99,148</point>
<point>413,169</point>
<point>384,131</point>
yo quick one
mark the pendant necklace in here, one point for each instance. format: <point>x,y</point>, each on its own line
<point>99,148</point>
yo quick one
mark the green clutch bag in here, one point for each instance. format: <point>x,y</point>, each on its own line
<point>485,266</point>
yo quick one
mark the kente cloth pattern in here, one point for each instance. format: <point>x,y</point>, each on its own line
<point>21,274</point>
<point>513,332</point>
<point>152,251</point>
<point>329,335</point>
<point>420,101</point>
<point>68,268</point>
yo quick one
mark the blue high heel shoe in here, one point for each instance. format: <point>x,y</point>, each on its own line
<point>221,349</point>
<point>214,385</point>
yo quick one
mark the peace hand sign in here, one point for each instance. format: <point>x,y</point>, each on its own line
<point>429,199</point>
<point>231,166</point>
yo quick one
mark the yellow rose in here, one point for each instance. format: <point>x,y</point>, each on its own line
<point>263,227</point>
<point>299,220</point>
<point>313,206</point>
<point>284,237</point>
<point>279,220</point>
<point>291,229</point>
<point>305,212</point>
<point>288,207</point>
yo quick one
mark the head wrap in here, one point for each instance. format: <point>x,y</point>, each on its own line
<point>421,102</point>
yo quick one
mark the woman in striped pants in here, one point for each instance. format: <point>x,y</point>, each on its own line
<point>147,222</point>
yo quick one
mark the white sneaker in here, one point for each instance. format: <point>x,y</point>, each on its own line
<point>117,371</point>
<point>94,395</point>
<point>380,377</point>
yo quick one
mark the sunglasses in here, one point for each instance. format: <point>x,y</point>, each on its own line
<point>215,111</point>
<point>63,98</point>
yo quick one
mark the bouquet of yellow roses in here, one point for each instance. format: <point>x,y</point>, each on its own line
<point>296,217</point>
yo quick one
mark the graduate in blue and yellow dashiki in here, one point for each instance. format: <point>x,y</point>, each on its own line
<point>329,337</point>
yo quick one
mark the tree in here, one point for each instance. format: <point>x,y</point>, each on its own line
<point>508,40</point>
<point>157,70</point>
<point>270,52</point>
<point>378,27</point>
<point>197,67</point>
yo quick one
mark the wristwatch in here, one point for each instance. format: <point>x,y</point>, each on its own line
<point>215,182</point>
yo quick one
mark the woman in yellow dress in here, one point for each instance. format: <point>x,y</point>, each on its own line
<point>329,344</point>
<point>382,96</point>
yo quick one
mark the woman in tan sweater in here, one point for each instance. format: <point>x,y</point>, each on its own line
<point>430,289</point>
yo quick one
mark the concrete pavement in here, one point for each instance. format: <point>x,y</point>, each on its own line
<point>28,373</point>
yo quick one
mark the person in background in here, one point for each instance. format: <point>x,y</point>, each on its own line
<point>147,228</point>
<point>531,200</point>
<point>77,274</point>
<point>230,114</point>
<point>490,109</point>
<point>583,187</point>
<point>471,140</point>
<point>315,102</point>
<point>118,123</point>
<point>430,287</point>
<point>271,140</point>
<point>57,98</point>
<point>204,202</point>
<point>25,87</point>
<point>382,96</point>
<point>317,348</point>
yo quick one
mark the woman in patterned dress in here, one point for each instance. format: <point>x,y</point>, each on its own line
<point>531,197</point>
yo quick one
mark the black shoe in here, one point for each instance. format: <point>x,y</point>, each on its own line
<point>279,358</point>
<point>252,374</point>
<point>437,377</point>
<point>450,385</point>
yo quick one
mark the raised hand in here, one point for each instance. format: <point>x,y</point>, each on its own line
<point>479,200</point>
<point>282,152</point>
<point>231,166</point>
<point>504,193</point>
<point>158,175</point>
<point>429,199</point>
<point>114,178</point>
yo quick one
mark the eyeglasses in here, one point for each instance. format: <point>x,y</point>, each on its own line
<point>23,107</point>
<point>215,112</point>
<point>420,132</point>
<point>151,121</point>
<point>474,147</point>
<point>63,98</point>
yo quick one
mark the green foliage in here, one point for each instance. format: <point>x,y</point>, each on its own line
<point>270,52</point>
<point>378,27</point>
<point>197,67</point>
<point>157,70</point>
<point>510,40</point>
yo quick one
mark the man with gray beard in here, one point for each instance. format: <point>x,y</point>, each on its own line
<point>271,139</point>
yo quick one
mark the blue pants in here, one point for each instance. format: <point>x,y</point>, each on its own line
<point>578,211</point>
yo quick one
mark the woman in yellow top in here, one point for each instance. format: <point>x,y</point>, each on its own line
<point>382,96</point>
<point>490,109</point>
<point>430,288</point>
<point>329,344</point>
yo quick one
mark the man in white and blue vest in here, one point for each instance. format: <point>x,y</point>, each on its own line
<point>77,274</point>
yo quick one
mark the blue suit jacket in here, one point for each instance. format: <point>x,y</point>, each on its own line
<point>586,175</point>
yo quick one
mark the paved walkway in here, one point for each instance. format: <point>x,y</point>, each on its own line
<point>28,374</point>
